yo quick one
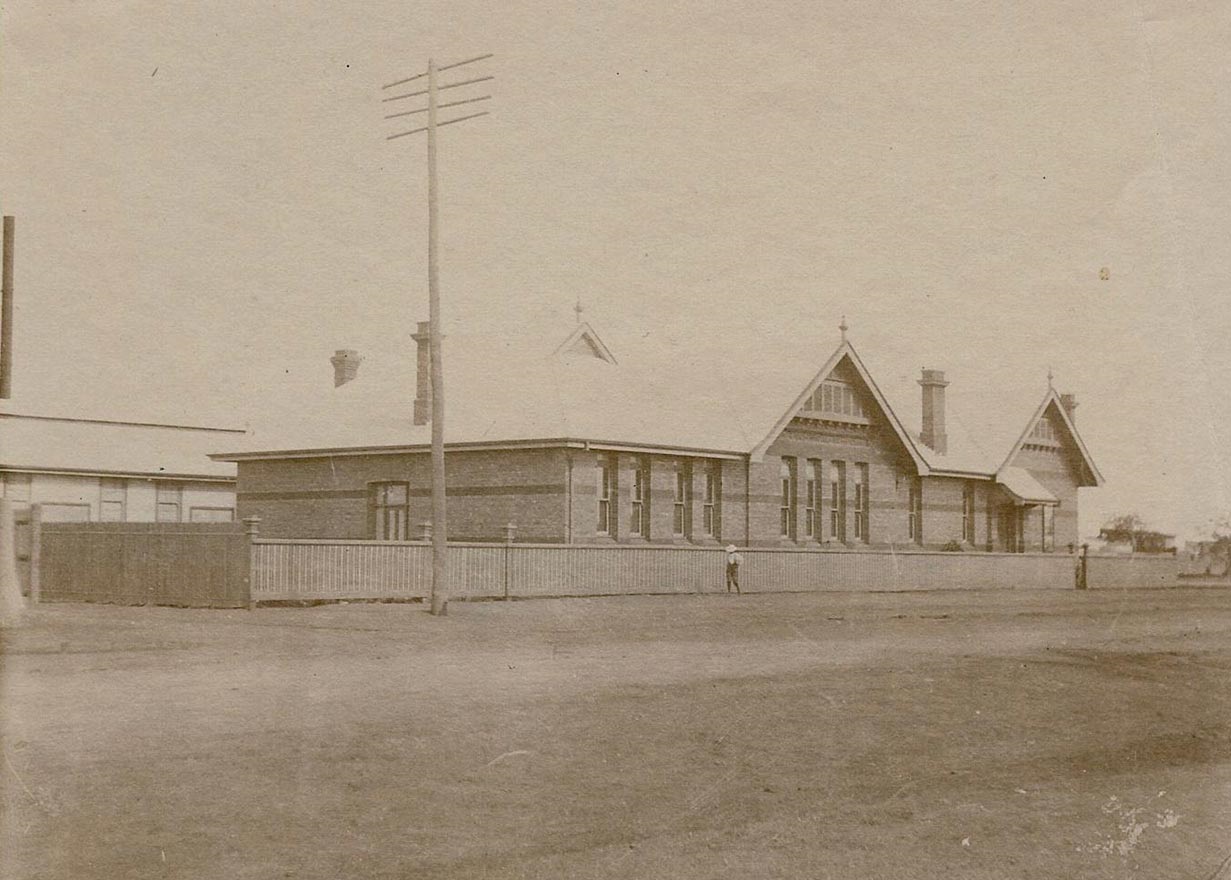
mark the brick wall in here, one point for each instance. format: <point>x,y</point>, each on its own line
<point>551,495</point>
<point>942,510</point>
<point>659,503</point>
<point>329,497</point>
<point>889,471</point>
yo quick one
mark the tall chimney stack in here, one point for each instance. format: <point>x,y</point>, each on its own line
<point>1069,402</point>
<point>6,313</point>
<point>423,373</point>
<point>933,435</point>
<point>346,363</point>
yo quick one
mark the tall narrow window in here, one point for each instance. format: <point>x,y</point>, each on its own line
<point>837,398</point>
<point>810,499</point>
<point>606,485</point>
<point>683,498</point>
<point>786,504</point>
<point>968,513</point>
<point>837,500</point>
<point>712,501</point>
<point>1049,528</point>
<point>916,510</point>
<point>639,519</point>
<point>391,510</point>
<point>1044,430</point>
<point>861,502</point>
<point>167,502</point>
<point>111,502</point>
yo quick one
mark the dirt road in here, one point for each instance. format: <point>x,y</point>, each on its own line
<point>954,735</point>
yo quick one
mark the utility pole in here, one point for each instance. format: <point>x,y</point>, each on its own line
<point>6,312</point>
<point>440,545</point>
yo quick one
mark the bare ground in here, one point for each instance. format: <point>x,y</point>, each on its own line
<point>957,735</point>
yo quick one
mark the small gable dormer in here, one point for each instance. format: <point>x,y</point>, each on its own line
<point>1051,433</point>
<point>584,342</point>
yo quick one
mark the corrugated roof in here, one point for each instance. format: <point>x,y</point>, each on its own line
<point>32,441</point>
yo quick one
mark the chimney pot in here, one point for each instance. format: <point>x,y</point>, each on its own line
<point>933,434</point>
<point>346,363</point>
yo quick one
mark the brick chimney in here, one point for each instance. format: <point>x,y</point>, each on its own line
<point>1069,402</point>
<point>933,434</point>
<point>423,373</point>
<point>346,363</point>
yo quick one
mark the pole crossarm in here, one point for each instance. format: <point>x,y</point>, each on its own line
<point>438,107</point>
<point>456,85</point>
<point>440,586</point>
<point>402,134</point>
<point>402,82</point>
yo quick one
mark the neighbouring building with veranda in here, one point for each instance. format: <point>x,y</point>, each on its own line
<point>571,445</point>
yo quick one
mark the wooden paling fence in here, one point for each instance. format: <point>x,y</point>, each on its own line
<point>189,564</point>
<point>230,565</point>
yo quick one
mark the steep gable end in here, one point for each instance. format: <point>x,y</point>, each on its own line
<point>843,393</point>
<point>1050,431</point>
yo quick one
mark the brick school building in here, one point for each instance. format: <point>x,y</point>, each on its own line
<point>568,444</point>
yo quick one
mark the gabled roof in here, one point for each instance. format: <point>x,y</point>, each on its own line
<point>1053,398</point>
<point>844,351</point>
<point>585,341</point>
<point>510,391</point>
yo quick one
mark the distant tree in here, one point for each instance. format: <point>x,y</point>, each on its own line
<point>1129,528</point>
<point>1220,541</point>
<point>1123,529</point>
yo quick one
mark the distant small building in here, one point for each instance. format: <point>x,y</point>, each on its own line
<point>1118,540</point>
<point>571,445</point>
<point>92,470</point>
<point>1100,545</point>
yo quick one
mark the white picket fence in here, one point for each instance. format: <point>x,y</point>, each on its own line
<point>327,570</point>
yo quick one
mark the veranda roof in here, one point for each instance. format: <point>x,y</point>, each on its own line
<point>1024,488</point>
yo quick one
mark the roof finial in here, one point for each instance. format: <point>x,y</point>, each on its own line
<point>578,309</point>
<point>843,328</point>
<point>1050,377</point>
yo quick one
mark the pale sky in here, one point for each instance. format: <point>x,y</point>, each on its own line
<point>205,199</point>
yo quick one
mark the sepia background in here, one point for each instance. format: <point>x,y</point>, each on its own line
<point>206,201</point>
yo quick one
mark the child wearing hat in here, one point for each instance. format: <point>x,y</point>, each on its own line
<point>733,563</point>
